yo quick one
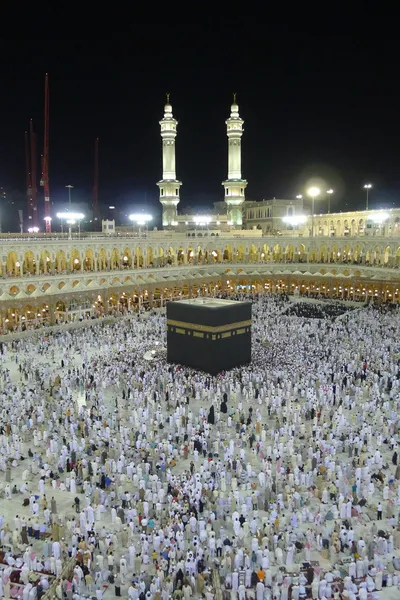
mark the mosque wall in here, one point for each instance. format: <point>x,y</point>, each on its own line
<point>67,279</point>
<point>28,258</point>
<point>358,224</point>
<point>267,216</point>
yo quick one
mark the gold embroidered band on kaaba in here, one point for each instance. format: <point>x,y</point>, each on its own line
<point>209,328</point>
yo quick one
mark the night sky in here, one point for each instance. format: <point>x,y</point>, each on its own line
<point>316,102</point>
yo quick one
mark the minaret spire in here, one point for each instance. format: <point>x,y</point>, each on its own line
<point>169,185</point>
<point>234,186</point>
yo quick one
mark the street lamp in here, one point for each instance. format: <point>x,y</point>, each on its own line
<point>294,220</point>
<point>367,187</point>
<point>329,192</point>
<point>202,221</point>
<point>70,222</point>
<point>379,218</point>
<point>140,220</point>
<point>69,187</point>
<point>313,192</point>
<point>71,219</point>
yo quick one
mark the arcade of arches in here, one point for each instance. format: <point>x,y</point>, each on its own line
<point>28,314</point>
<point>64,282</point>
<point>55,260</point>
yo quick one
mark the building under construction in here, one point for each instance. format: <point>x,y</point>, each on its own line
<point>33,222</point>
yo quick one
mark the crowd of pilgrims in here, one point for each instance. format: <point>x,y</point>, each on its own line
<point>129,477</point>
<point>311,310</point>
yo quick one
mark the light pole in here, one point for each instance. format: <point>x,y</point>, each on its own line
<point>329,192</point>
<point>299,197</point>
<point>71,218</point>
<point>313,192</point>
<point>378,219</point>
<point>70,222</point>
<point>69,187</point>
<point>294,220</point>
<point>140,220</point>
<point>367,187</point>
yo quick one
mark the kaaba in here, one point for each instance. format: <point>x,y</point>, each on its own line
<point>209,334</point>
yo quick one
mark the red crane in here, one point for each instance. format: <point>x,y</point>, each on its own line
<point>45,158</point>
<point>33,175</point>
<point>28,177</point>
<point>96,184</point>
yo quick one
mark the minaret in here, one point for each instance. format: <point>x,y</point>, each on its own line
<point>234,186</point>
<point>169,185</point>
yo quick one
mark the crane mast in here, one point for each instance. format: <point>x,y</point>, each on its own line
<point>96,184</point>
<point>45,158</point>
<point>33,175</point>
<point>28,177</point>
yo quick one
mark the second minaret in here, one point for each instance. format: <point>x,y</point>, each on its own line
<point>234,186</point>
<point>169,185</point>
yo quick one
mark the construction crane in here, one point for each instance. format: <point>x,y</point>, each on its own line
<point>32,136</point>
<point>44,182</point>
<point>28,177</point>
<point>96,184</point>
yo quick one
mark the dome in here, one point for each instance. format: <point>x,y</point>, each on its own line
<point>168,108</point>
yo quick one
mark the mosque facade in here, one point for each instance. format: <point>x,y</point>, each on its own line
<point>354,255</point>
<point>269,216</point>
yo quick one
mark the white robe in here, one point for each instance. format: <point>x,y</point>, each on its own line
<point>260,590</point>
<point>235,581</point>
